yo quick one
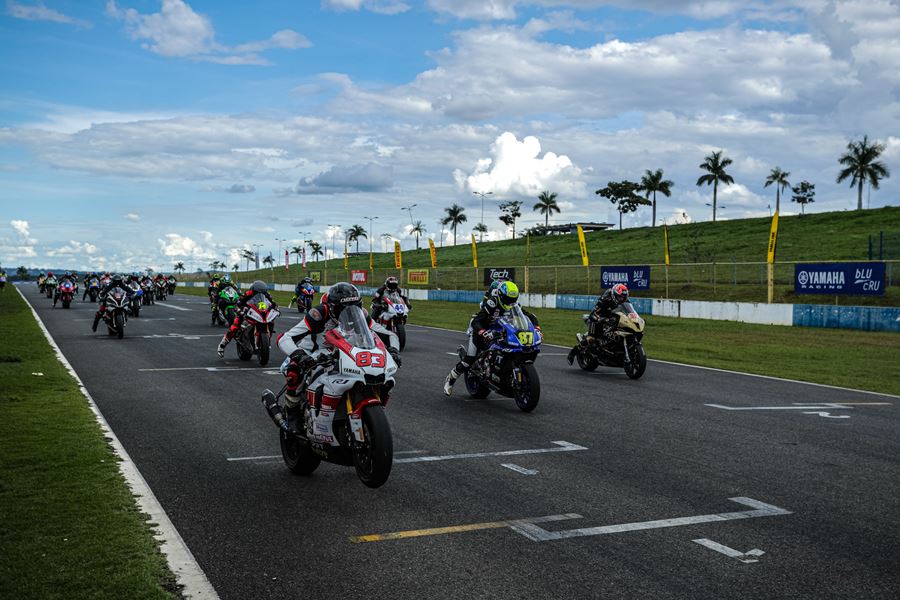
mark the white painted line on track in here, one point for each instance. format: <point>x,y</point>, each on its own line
<point>243,458</point>
<point>561,446</point>
<point>760,509</point>
<point>179,557</point>
<point>751,556</point>
<point>173,307</point>
<point>810,406</point>
<point>210,369</point>
<point>518,469</point>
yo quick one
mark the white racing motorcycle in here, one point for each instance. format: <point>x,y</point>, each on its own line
<point>341,418</point>
<point>395,316</point>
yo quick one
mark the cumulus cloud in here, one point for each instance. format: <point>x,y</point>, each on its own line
<point>385,7</point>
<point>517,168</point>
<point>23,229</point>
<point>177,31</point>
<point>133,217</point>
<point>74,248</point>
<point>178,246</point>
<point>348,179</point>
<point>240,188</point>
<point>40,12</point>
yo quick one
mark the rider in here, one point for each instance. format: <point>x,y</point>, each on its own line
<point>67,276</point>
<point>2,279</point>
<point>497,303</point>
<point>87,284</point>
<point>379,302</point>
<point>117,281</point>
<point>298,289</point>
<point>302,342</point>
<point>601,320</point>
<point>212,288</point>
<point>257,287</point>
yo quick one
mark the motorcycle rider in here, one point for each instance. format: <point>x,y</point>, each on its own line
<point>224,284</point>
<point>497,303</point>
<point>302,342</point>
<point>87,284</point>
<point>601,320</point>
<point>257,287</point>
<point>298,289</point>
<point>211,289</point>
<point>117,281</point>
<point>379,302</point>
<point>67,276</point>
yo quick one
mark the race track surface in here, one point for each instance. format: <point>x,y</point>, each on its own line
<point>625,479</point>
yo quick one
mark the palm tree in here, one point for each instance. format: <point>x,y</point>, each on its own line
<point>418,229</point>
<point>248,255</point>
<point>298,250</point>
<point>214,265</point>
<point>511,212</point>
<point>356,232</point>
<point>179,267</point>
<point>861,164</point>
<point>653,182</point>
<point>480,229</point>
<point>22,272</point>
<point>779,178</point>
<point>269,261</point>
<point>456,216</point>
<point>714,165</point>
<point>316,248</point>
<point>546,205</point>
<point>235,267</point>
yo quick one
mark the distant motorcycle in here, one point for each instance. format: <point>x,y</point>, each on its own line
<point>137,299</point>
<point>395,316</point>
<point>66,293</point>
<point>116,314</point>
<point>255,336</point>
<point>161,286</point>
<point>507,366</point>
<point>148,292</point>
<point>50,286</point>
<point>341,420</point>
<point>305,299</point>
<point>621,347</point>
<point>93,288</point>
<point>170,284</point>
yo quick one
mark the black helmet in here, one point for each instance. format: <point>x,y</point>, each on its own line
<point>392,283</point>
<point>117,279</point>
<point>341,295</point>
<point>259,287</point>
<point>307,280</point>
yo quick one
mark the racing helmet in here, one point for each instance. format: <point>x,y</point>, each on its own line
<point>259,287</point>
<point>620,293</point>
<point>507,294</point>
<point>117,280</point>
<point>50,274</point>
<point>307,280</point>
<point>226,278</point>
<point>392,283</point>
<point>341,295</point>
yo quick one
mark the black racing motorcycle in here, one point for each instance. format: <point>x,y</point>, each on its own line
<point>620,346</point>
<point>116,314</point>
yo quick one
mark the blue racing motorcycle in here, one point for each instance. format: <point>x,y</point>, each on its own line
<point>507,366</point>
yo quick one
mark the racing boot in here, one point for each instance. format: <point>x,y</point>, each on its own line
<point>221,349</point>
<point>451,379</point>
<point>571,356</point>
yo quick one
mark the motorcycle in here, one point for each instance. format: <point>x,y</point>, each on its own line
<point>621,347</point>
<point>93,288</point>
<point>305,299</point>
<point>170,285</point>
<point>256,330</point>
<point>40,282</point>
<point>223,311</point>
<point>50,286</point>
<point>116,314</point>
<point>161,286</point>
<point>147,289</point>
<point>394,317</point>
<point>137,299</point>
<point>507,365</point>
<point>66,293</point>
<point>341,419</point>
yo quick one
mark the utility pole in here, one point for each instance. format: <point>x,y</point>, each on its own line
<point>409,209</point>
<point>371,236</point>
<point>482,194</point>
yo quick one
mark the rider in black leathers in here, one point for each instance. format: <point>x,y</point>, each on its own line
<point>379,302</point>
<point>117,281</point>
<point>601,319</point>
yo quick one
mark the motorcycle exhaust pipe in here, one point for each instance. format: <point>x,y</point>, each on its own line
<point>274,410</point>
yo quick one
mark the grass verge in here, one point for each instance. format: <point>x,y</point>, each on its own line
<point>69,526</point>
<point>854,359</point>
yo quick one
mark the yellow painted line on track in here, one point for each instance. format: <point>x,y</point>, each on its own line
<point>412,533</point>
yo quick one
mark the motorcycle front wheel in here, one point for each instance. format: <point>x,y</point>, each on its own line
<point>400,330</point>
<point>297,455</point>
<point>263,348</point>
<point>638,363</point>
<point>374,457</point>
<point>120,325</point>
<point>476,388</point>
<point>585,362</point>
<point>66,303</point>
<point>529,392</point>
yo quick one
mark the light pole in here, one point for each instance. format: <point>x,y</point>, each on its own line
<point>334,230</point>
<point>441,223</point>
<point>409,210</point>
<point>371,235</point>
<point>257,246</point>
<point>279,240</point>
<point>482,194</point>
<point>719,206</point>
<point>303,235</point>
<point>770,209</point>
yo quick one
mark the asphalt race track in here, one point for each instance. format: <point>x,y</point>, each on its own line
<point>633,489</point>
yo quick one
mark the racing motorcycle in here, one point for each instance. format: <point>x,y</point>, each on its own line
<point>104,281</point>
<point>66,293</point>
<point>507,366</point>
<point>161,286</point>
<point>256,330</point>
<point>223,310</point>
<point>341,418</point>
<point>148,292</point>
<point>620,347</point>
<point>116,314</point>
<point>50,286</point>
<point>170,285</point>
<point>305,299</point>
<point>93,288</point>
<point>137,298</point>
<point>395,315</point>
<point>40,282</point>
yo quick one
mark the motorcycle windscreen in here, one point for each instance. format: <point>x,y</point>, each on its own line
<point>393,298</point>
<point>261,301</point>
<point>517,318</point>
<point>354,326</point>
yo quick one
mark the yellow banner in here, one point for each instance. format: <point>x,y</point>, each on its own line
<point>417,277</point>
<point>474,253</point>
<point>583,246</point>
<point>370,259</point>
<point>398,255</point>
<point>773,238</point>
<point>433,253</point>
<point>346,256</point>
<point>666,240</point>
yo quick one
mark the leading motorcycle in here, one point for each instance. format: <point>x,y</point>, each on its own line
<point>341,418</point>
<point>116,314</point>
<point>255,335</point>
<point>93,288</point>
<point>621,347</point>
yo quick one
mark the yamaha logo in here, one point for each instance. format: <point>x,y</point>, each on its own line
<point>803,277</point>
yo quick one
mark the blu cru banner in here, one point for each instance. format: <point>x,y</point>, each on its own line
<point>855,279</point>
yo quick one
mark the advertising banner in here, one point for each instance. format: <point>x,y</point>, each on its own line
<point>583,246</point>
<point>398,256</point>
<point>287,260</point>
<point>359,277</point>
<point>417,277</point>
<point>315,276</point>
<point>493,274</point>
<point>474,253</point>
<point>856,279</point>
<point>433,253</point>
<point>773,239</point>
<point>636,278</point>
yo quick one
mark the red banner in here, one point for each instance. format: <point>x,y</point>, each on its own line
<point>359,277</point>
<point>287,260</point>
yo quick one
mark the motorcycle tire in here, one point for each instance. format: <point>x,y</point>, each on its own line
<point>66,303</point>
<point>264,349</point>
<point>400,330</point>
<point>586,363</point>
<point>476,388</point>
<point>137,310</point>
<point>638,363</point>
<point>374,458</point>
<point>528,400</point>
<point>298,456</point>
<point>120,325</point>
<point>242,353</point>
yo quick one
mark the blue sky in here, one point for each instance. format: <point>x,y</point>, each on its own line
<point>137,133</point>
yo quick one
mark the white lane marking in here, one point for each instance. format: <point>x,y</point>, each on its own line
<point>811,406</point>
<point>751,556</point>
<point>178,336</point>
<point>179,557</point>
<point>173,307</point>
<point>519,469</point>
<point>210,369</point>
<point>827,415</point>
<point>760,509</point>
<point>399,452</point>
<point>274,456</point>
<point>561,446</point>
<point>678,364</point>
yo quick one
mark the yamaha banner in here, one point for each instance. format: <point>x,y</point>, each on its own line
<point>857,279</point>
<point>636,278</point>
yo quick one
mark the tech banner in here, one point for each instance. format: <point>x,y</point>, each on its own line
<point>855,279</point>
<point>636,278</point>
<point>499,274</point>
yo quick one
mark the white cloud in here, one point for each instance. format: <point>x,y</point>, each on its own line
<point>74,248</point>
<point>517,168</point>
<point>21,227</point>
<point>133,217</point>
<point>40,12</point>
<point>177,31</point>
<point>179,246</point>
<point>385,7</point>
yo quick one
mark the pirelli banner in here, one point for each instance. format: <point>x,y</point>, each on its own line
<point>417,277</point>
<point>852,279</point>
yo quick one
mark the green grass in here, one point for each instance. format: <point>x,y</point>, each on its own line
<point>69,526</point>
<point>854,359</point>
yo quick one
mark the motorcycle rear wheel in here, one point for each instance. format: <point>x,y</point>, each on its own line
<point>529,395</point>
<point>298,457</point>
<point>638,363</point>
<point>476,388</point>
<point>374,458</point>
